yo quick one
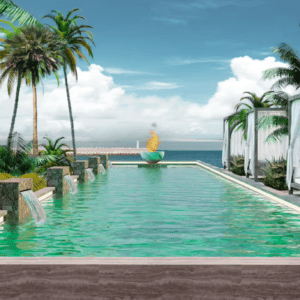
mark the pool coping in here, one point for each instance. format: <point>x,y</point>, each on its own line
<point>150,260</point>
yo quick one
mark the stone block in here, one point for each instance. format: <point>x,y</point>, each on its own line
<point>103,160</point>
<point>11,199</point>
<point>79,167</point>
<point>55,178</point>
<point>94,162</point>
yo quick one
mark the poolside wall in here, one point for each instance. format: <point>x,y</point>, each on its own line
<point>55,178</point>
<point>11,199</point>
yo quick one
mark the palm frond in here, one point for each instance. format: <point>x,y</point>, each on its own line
<point>16,13</point>
<point>277,135</point>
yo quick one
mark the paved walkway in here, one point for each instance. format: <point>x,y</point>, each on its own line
<point>284,195</point>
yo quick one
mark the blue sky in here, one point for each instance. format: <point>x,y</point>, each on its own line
<point>181,64</point>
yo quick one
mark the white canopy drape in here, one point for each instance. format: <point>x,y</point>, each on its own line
<point>225,144</point>
<point>249,150</point>
<point>271,150</point>
<point>237,143</point>
<point>293,152</point>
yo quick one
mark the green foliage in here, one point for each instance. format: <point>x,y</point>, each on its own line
<point>280,100</point>
<point>256,101</point>
<point>289,75</point>
<point>16,13</point>
<point>33,50</point>
<point>238,165</point>
<point>73,35</point>
<point>38,182</point>
<point>4,176</point>
<point>238,120</point>
<point>17,159</point>
<point>15,162</point>
<point>276,178</point>
<point>58,157</point>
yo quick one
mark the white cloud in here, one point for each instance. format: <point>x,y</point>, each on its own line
<point>186,61</point>
<point>155,85</point>
<point>104,111</point>
<point>248,78</point>
<point>119,71</point>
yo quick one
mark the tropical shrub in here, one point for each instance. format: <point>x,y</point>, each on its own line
<point>276,177</point>
<point>238,165</point>
<point>4,176</point>
<point>16,162</point>
<point>58,157</point>
<point>38,182</point>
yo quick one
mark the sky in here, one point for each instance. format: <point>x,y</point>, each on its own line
<point>175,67</point>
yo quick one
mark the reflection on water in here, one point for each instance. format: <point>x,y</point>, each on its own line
<point>157,212</point>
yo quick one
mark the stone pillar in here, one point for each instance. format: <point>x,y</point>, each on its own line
<point>94,162</point>
<point>103,161</point>
<point>55,177</point>
<point>12,200</point>
<point>79,167</point>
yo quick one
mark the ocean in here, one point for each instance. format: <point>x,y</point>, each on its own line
<point>211,157</point>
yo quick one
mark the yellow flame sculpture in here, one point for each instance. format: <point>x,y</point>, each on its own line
<point>153,142</point>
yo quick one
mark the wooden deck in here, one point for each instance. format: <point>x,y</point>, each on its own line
<point>102,151</point>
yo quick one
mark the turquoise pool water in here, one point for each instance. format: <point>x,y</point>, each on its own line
<point>141,212</point>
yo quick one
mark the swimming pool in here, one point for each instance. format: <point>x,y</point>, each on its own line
<point>157,212</point>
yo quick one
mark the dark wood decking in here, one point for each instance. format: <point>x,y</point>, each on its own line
<point>138,282</point>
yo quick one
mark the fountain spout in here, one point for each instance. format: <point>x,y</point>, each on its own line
<point>102,168</point>
<point>36,208</point>
<point>90,174</point>
<point>71,183</point>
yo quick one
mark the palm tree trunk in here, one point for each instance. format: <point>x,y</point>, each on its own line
<point>12,125</point>
<point>35,136</point>
<point>70,112</point>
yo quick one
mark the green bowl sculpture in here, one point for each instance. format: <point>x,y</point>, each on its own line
<point>152,157</point>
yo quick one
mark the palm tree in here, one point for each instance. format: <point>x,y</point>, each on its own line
<point>11,10</point>
<point>280,100</point>
<point>255,100</point>
<point>290,75</point>
<point>239,120</point>
<point>68,30</point>
<point>33,52</point>
<point>14,73</point>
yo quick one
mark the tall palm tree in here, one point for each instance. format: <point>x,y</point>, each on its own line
<point>70,32</point>
<point>289,75</point>
<point>34,52</point>
<point>16,13</point>
<point>14,74</point>
<point>239,119</point>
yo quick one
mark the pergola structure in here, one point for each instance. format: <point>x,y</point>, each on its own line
<point>233,143</point>
<point>257,150</point>
<point>293,157</point>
